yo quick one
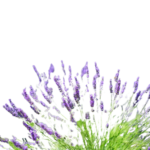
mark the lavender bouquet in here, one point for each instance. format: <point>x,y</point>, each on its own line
<point>124,134</point>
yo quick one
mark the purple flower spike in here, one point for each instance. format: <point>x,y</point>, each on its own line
<point>50,92</point>
<point>36,110</point>
<point>37,73</point>
<point>71,104</point>
<point>63,69</point>
<point>34,136</point>
<point>70,70</point>
<point>44,127</point>
<point>117,74</point>
<point>57,135</point>
<point>147,101</point>
<point>77,82</point>
<point>12,104</point>
<point>94,81</point>
<point>136,85</point>
<point>82,74</point>
<point>12,111</point>
<point>25,95</point>
<point>102,82</point>
<point>124,87</point>
<point>43,81</point>
<point>33,93</point>
<point>87,88</point>
<point>141,95</point>
<point>76,95</point>
<point>97,70</point>
<point>4,140</point>
<point>57,118</point>
<point>43,104</point>
<point>65,104</point>
<point>51,69</point>
<point>65,87</point>
<point>85,71</point>
<point>87,115</point>
<point>147,89</point>
<point>102,106</point>
<point>25,147</point>
<point>117,88</point>
<point>107,125</point>
<point>57,81</point>
<point>56,109</point>
<point>21,112</point>
<point>91,101</point>
<point>138,97</point>
<point>70,75</point>
<point>72,118</point>
<point>28,127</point>
<point>15,142</point>
<point>70,81</point>
<point>35,70</point>
<point>47,98</point>
<point>111,87</point>
<point>147,110</point>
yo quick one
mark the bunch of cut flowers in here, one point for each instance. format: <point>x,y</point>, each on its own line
<point>118,132</point>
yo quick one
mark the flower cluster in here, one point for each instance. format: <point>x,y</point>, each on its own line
<point>123,131</point>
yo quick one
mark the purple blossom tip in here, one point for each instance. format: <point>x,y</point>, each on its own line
<point>107,125</point>
<point>57,135</point>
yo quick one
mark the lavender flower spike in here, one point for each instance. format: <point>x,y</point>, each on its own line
<point>94,81</point>
<point>33,93</point>
<point>117,74</point>
<point>87,115</point>
<point>138,97</point>
<point>37,73</point>
<point>65,104</point>
<point>44,127</point>
<point>4,140</point>
<point>110,86</point>
<point>107,125</point>
<point>70,76</point>
<point>85,71</point>
<point>135,84</point>
<point>35,70</point>
<point>20,111</point>
<point>147,88</point>
<point>25,95</point>
<point>102,106</point>
<point>117,88</point>
<point>63,69</point>
<point>72,117</point>
<point>35,109</point>
<point>57,81</point>
<point>97,69</point>
<point>102,82</point>
<point>51,69</point>
<point>124,87</point>
<point>92,101</point>
<point>76,93</point>
<point>57,135</point>
<point>34,136</point>
<point>12,111</point>
<point>28,127</point>
<point>17,144</point>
